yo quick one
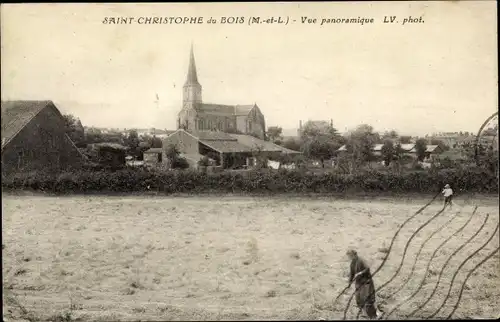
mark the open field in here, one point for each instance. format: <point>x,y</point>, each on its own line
<point>239,258</point>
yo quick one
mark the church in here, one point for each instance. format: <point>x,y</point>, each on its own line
<point>197,116</point>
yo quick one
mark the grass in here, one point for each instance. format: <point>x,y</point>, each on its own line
<point>97,258</point>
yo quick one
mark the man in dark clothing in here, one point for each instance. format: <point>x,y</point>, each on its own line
<point>365,289</point>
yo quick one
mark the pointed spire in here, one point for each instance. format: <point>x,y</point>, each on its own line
<point>192,77</point>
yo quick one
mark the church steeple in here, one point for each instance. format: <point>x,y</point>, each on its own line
<point>192,88</point>
<point>192,76</point>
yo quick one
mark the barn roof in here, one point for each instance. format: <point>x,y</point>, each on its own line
<point>154,150</point>
<point>258,144</point>
<point>108,145</point>
<point>227,146</point>
<point>17,114</point>
<point>430,148</point>
<point>234,143</point>
<point>214,136</point>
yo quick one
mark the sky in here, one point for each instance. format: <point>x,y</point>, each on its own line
<point>417,78</point>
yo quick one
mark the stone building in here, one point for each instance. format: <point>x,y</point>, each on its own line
<point>198,116</point>
<point>34,138</point>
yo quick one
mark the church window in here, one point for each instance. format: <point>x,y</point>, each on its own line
<point>200,124</point>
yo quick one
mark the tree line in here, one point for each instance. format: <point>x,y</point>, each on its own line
<point>321,141</point>
<point>83,137</point>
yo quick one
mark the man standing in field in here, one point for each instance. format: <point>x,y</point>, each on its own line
<point>448,195</point>
<point>365,289</point>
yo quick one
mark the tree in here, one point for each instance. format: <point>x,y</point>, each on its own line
<point>388,152</point>
<point>320,140</point>
<point>132,142</point>
<point>74,129</point>
<point>320,148</point>
<point>155,142</point>
<point>390,135</point>
<point>275,133</point>
<point>420,148</point>
<point>315,129</point>
<point>399,154</point>
<point>359,145</point>
<point>292,144</point>
<point>405,139</point>
<point>440,143</point>
<point>172,152</point>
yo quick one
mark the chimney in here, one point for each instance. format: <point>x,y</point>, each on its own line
<point>331,122</point>
<point>300,125</point>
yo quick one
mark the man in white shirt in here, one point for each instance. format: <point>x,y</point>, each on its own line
<point>448,195</point>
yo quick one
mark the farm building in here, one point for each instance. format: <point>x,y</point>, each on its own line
<point>230,150</point>
<point>153,156</point>
<point>34,137</point>
<point>108,154</point>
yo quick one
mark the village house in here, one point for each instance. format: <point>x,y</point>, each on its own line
<point>431,152</point>
<point>108,154</point>
<point>153,156</point>
<point>229,150</point>
<point>198,116</point>
<point>34,137</point>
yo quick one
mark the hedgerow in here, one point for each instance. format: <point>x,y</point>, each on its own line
<point>472,179</point>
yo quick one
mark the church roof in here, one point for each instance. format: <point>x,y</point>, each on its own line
<point>192,76</point>
<point>215,108</point>
<point>221,109</point>
<point>243,109</point>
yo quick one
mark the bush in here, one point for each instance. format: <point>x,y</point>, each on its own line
<point>464,179</point>
<point>180,163</point>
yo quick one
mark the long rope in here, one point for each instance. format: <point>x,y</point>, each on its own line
<point>390,248</point>
<point>467,278</point>
<point>445,264</point>
<point>403,257</point>
<point>393,294</point>
<point>458,270</point>
<point>430,261</point>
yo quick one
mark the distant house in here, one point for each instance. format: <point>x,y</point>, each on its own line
<point>232,150</point>
<point>108,154</point>
<point>409,149</point>
<point>153,156</point>
<point>34,137</point>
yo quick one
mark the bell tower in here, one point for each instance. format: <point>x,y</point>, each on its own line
<point>192,88</point>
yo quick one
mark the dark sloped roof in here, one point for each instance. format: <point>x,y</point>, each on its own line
<point>154,150</point>
<point>214,136</point>
<point>232,143</point>
<point>215,108</point>
<point>221,109</point>
<point>243,109</point>
<point>227,146</point>
<point>17,114</point>
<point>258,144</point>
<point>108,145</point>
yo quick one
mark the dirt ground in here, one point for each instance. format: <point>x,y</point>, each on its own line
<point>231,258</point>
